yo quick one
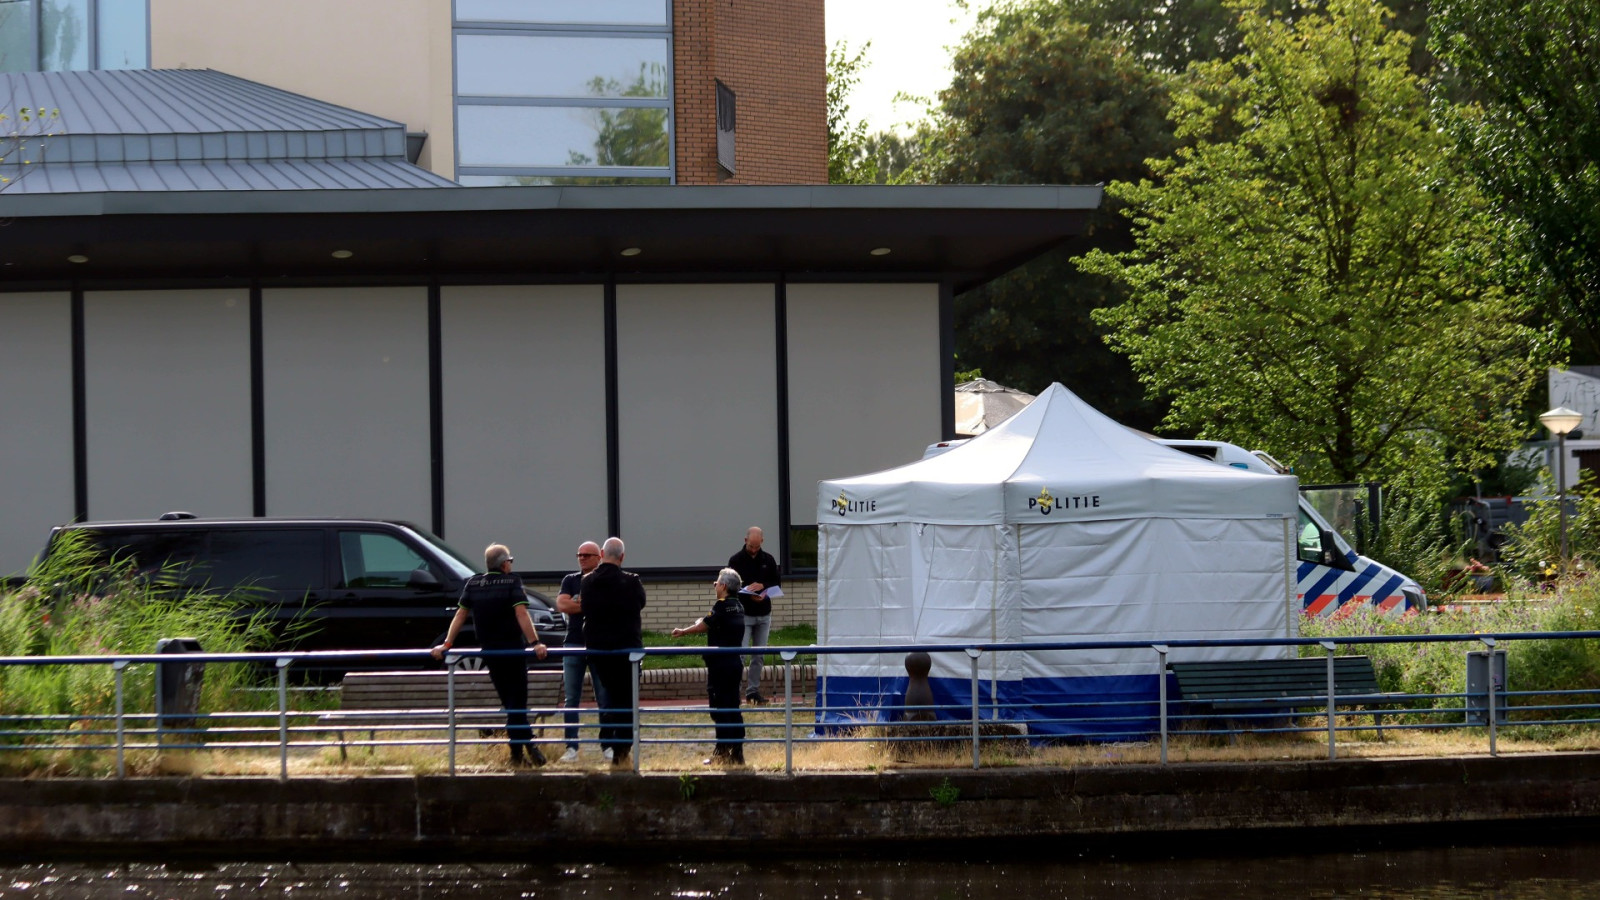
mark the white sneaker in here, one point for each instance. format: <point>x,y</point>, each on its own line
<point>570,756</point>
<point>608,754</point>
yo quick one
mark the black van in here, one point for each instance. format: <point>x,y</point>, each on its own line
<point>359,584</point>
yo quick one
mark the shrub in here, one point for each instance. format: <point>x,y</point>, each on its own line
<point>1533,547</point>
<point>70,605</point>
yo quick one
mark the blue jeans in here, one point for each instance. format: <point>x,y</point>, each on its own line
<point>572,668</point>
<point>756,629</point>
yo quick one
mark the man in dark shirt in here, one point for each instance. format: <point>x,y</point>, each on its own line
<point>499,609</point>
<point>570,601</point>
<point>612,603</point>
<point>760,574</point>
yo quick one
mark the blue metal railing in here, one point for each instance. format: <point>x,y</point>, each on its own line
<point>982,717</point>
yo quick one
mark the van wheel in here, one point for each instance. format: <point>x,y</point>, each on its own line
<point>470,664</point>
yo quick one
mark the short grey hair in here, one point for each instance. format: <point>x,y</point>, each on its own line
<point>612,550</point>
<point>730,579</point>
<point>495,555</point>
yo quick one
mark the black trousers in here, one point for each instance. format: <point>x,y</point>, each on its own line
<point>509,674</point>
<point>615,676</point>
<point>723,674</point>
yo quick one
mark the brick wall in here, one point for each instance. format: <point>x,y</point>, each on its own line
<point>773,55</point>
<point>674,604</point>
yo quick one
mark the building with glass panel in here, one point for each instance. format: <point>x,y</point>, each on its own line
<point>64,35</point>
<point>497,92</point>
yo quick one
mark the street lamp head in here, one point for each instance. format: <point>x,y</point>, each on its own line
<point>1561,420</point>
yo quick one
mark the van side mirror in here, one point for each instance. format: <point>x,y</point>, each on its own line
<point>1331,556</point>
<point>422,578</point>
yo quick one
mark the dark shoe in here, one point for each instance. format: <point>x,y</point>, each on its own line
<point>536,757</point>
<point>619,760</point>
<point>755,699</point>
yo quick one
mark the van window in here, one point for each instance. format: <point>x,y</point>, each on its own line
<point>152,551</point>
<point>1310,541</point>
<point>272,559</point>
<point>372,560</point>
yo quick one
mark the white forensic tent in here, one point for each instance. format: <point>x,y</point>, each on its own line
<point>1057,525</point>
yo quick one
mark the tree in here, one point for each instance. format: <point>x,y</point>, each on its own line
<point>1533,137</point>
<point>1314,274</point>
<point>1036,100</point>
<point>849,162</point>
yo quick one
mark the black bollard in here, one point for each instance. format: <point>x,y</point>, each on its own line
<point>918,691</point>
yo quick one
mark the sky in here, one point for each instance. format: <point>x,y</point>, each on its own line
<point>907,55</point>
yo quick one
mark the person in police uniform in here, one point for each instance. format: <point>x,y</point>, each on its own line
<point>723,627</point>
<point>499,609</point>
<point>613,601</point>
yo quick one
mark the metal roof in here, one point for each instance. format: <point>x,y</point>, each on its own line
<point>196,130</point>
<point>964,234</point>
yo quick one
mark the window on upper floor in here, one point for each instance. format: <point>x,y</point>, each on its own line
<point>60,35</point>
<point>563,92</point>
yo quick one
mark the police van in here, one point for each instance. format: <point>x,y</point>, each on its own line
<point>1329,573</point>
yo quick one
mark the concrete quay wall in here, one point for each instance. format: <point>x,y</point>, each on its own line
<point>553,815</point>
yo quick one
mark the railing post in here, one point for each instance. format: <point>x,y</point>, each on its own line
<point>636,660</point>
<point>283,717</point>
<point>117,665</point>
<point>788,709</point>
<point>450,661</point>
<point>1488,642</point>
<point>974,653</point>
<point>1161,678</point>
<point>1330,646</point>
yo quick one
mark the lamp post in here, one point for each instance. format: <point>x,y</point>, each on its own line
<point>1560,421</point>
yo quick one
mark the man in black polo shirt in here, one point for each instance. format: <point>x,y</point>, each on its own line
<point>760,574</point>
<point>570,602</point>
<point>613,601</point>
<point>499,609</point>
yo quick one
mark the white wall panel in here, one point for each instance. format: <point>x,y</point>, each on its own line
<point>524,420</point>
<point>864,382</point>
<point>697,404</point>
<point>167,402</point>
<point>36,468</point>
<point>345,374</point>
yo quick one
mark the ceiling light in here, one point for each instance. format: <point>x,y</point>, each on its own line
<point>880,251</point>
<point>342,254</point>
<point>77,258</point>
<point>631,251</point>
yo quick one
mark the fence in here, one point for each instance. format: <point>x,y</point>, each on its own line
<point>984,715</point>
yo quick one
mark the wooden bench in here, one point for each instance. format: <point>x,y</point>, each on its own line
<point>391,701</point>
<point>1282,684</point>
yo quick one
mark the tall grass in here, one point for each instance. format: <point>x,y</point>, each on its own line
<point>72,604</point>
<point>1440,668</point>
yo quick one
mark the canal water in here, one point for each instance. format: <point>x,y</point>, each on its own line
<point>1563,872</point>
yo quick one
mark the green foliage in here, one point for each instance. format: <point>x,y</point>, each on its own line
<point>71,606</point>
<point>945,793</point>
<point>1533,549</point>
<point>1414,538</point>
<point>1036,99</point>
<point>1440,668</point>
<point>1170,34</point>
<point>848,159</point>
<point>687,785</point>
<point>21,139</point>
<point>1533,137</point>
<point>1314,274</point>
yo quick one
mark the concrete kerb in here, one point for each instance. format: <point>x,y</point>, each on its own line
<point>587,814</point>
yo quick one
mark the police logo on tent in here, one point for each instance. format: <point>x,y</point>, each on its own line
<point>844,505</point>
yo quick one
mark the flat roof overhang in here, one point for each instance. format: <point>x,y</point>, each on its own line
<point>964,234</point>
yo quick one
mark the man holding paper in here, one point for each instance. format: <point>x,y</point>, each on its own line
<point>759,573</point>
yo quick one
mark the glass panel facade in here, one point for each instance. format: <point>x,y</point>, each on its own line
<point>16,36</point>
<point>563,92</point>
<point>540,136</point>
<point>67,35</point>
<point>64,35</point>
<point>557,180</point>
<point>564,12</point>
<point>553,66</point>
<point>124,30</point>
